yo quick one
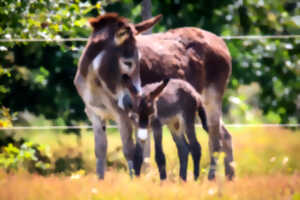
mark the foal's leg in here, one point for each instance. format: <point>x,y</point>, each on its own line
<point>147,150</point>
<point>125,128</point>
<point>138,156</point>
<point>182,150</point>
<point>159,153</point>
<point>195,147</point>
<point>100,141</point>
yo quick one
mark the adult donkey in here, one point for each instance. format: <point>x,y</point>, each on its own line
<point>115,50</point>
<point>202,59</point>
<point>110,54</point>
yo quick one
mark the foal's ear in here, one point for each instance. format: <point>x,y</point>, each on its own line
<point>145,25</point>
<point>126,80</point>
<point>156,92</point>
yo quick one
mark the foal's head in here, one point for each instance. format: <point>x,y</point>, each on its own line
<point>145,106</point>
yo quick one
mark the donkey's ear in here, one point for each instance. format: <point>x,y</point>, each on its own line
<point>156,92</point>
<point>145,25</point>
<point>103,20</point>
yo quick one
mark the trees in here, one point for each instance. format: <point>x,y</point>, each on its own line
<point>38,76</point>
<point>41,74</point>
<point>273,64</point>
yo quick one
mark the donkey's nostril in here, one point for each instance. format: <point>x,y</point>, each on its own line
<point>127,102</point>
<point>125,78</point>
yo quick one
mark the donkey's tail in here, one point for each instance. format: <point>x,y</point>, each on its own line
<point>203,118</point>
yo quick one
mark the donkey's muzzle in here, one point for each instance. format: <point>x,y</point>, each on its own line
<point>127,102</point>
<point>142,134</point>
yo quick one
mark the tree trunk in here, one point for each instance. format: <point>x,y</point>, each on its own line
<point>147,12</point>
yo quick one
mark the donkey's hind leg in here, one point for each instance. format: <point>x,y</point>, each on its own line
<point>212,105</point>
<point>219,137</point>
<point>194,145</point>
<point>227,148</point>
<point>182,149</point>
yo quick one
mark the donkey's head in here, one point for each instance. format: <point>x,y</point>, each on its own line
<point>145,107</point>
<point>112,53</point>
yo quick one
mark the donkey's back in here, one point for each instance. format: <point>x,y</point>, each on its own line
<point>202,59</point>
<point>192,54</point>
<point>177,98</point>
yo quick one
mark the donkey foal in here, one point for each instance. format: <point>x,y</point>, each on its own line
<point>173,103</point>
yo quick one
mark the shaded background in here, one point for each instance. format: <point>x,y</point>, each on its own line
<point>36,79</point>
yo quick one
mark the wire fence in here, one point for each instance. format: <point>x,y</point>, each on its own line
<point>17,128</point>
<point>80,39</point>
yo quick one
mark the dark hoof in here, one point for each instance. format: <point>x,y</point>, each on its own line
<point>211,175</point>
<point>230,176</point>
<point>163,176</point>
<point>229,173</point>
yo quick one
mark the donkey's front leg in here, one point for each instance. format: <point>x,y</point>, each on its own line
<point>159,153</point>
<point>125,129</point>
<point>100,141</point>
<point>138,155</point>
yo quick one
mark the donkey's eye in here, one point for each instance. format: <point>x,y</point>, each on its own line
<point>128,63</point>
<point>123,33</point>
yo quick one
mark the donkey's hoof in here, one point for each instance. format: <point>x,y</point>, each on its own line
<point>211,175</point>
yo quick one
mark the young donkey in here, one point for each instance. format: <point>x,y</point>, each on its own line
<point>173,103</point>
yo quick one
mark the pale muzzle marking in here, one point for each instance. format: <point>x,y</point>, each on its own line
<point>142,133</point>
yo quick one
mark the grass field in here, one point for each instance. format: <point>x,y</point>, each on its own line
<point>266,160</point>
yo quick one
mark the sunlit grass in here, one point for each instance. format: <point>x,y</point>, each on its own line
<point>266,159</point>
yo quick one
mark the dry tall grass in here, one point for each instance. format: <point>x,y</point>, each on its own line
<point>267,164</point>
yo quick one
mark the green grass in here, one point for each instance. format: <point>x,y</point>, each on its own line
<point>266,159</point>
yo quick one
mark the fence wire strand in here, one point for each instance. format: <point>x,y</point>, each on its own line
<point>16,128</point>
<point>80,39</point>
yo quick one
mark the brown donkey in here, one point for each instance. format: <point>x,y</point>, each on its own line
<point>202,59</point>
<point>115,49</point>
<point>110,53</point>
<point>175,104</point>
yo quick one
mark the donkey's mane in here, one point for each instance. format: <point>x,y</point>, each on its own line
<point>108,18</point>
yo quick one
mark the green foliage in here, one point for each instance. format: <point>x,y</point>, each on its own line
<point>273,64</point>
<point>38,76</point>
<point>44,18</point>
<point>29,156</point>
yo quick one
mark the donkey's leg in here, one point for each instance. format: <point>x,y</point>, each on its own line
<point>195,148</point>
<point>125,128</point>
<point>214,140</point>
<point>142,154</point>
<point>159,153</point>
<point>182,149</point>
<point>147,151</point>
<point>100,141</point>
<point>138,156</point>
<point>212,107</point>
<point>227,148</point>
